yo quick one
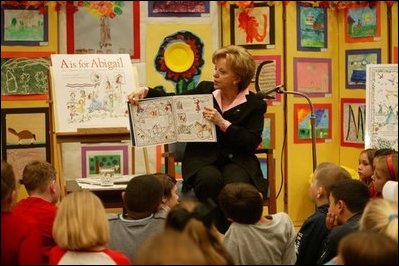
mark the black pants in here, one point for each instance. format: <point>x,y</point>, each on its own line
<point>210,180</point>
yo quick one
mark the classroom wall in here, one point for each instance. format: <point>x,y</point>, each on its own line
<point>214,31</point>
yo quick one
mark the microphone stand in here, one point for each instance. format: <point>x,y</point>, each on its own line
<point>281,90</point>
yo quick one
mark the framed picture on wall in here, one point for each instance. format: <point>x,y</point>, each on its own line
<point>323,123</point>
<point>268,133</point>
<point>97,157</point>
<point>363,23</point>
<point>178,8</point>
<point>24,26</point>
<point>311,28</point>
<point>356,62</point>
<point>252,28</point>
<point>88,33</point>
<point>25,135</point>
<point>312,76</point>
<point>353,122</point>
<point>24,76</point>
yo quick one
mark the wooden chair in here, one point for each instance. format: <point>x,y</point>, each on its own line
<point>174,153</point>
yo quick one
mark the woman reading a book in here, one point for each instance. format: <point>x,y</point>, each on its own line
<point>238,115</point>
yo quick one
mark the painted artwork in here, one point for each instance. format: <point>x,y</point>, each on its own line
<point>356,62</point>
<point>24,75</point>
<point>382,106</point>
<point>90,90</point>
<point>177,8</point>
<point>269,76</point>
<point>353,119</point>
<point>302,126</point>
<point>362,23</point>
<point>17,134</point>
<point>268,133</point>
<point>19,158</point>
<point>90,33</point>
<point>312,28</point>
<point>312,76</point>
<point>23,27</point>
<point>252,28</point>
<point>96,158</point>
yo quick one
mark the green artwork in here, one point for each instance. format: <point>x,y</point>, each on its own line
<point>24,75</point>
<point>96,162</point>
<point>23,25</point>
<point>362,22</point>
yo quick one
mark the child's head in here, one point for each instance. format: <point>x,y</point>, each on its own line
<point>195,219</point>
<point>170,247</point>
<point>143,194</point>
<point>81,222</point>
<point>381,215</point>
<point>170,197</point>
<point>325,175</point>
<point>367,248</point>
<point>241,203</point>
<point>39,178</point>
<point>385,169</point>
<point>348,197</point>
<point>8,186</point>
<point>365,167</point>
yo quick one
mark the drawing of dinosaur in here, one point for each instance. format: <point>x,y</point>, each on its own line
<point>250,25</point>
<point>23,135</point>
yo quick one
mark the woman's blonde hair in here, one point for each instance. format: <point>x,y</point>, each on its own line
<point>195,220</point>
<point>381,215</point>
<point>81,222</point>
<point>240,61</point>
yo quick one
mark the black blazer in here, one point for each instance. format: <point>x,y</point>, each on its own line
<point>238,143</point>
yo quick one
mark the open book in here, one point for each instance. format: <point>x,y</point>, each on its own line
<point>171,119</point>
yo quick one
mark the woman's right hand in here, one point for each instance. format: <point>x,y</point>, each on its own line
<point>137,95</point>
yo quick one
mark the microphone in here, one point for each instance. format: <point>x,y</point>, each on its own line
<point>265,94</point>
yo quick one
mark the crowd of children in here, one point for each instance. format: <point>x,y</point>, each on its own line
<point>352,223</point>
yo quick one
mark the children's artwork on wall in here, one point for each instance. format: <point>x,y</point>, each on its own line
<point>23,75</point>
<point>252,27</point>
<point>90,90</point>
<point>353,119</point>
<point>95,158</point>
<point>312,76</point>
<point>177,8</point>
<point>356,62</point>
<point>362,23</point>
<point>323,123</point>
<point>180,60</point>
<point>382,106</point>
<point>311,28</point>
<point>268,133</point>
<point>25,128</point>
<point>23,27</point>
<point>19,158</point>
<point>270,75</point>
<point>89,33</point>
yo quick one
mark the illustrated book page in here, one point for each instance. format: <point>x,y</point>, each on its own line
<point>171,119</point>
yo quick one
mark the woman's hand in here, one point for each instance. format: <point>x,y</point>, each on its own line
<point>213,115</point>
<point>137,95</point>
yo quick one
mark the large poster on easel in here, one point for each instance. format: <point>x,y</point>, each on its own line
<point>382,106</point>
<point>90,90</point>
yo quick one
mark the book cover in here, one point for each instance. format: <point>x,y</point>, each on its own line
<point>171,119</point>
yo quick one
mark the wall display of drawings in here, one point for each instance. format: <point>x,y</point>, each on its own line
<point>90,90</point>
<point>312,76</point>
<point>88,33</point>
<point>177,8</point>
<point>382,106</point>
<point>353,122</point>
<point>25,75</point>
<point>252,28</point>
<point>356,62</point>
<point>21,141</point>
<point>311,28</point>
<point>362,23</point>
<point>98,157</point>
<point>323,123</point>
<point>270,75</point>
